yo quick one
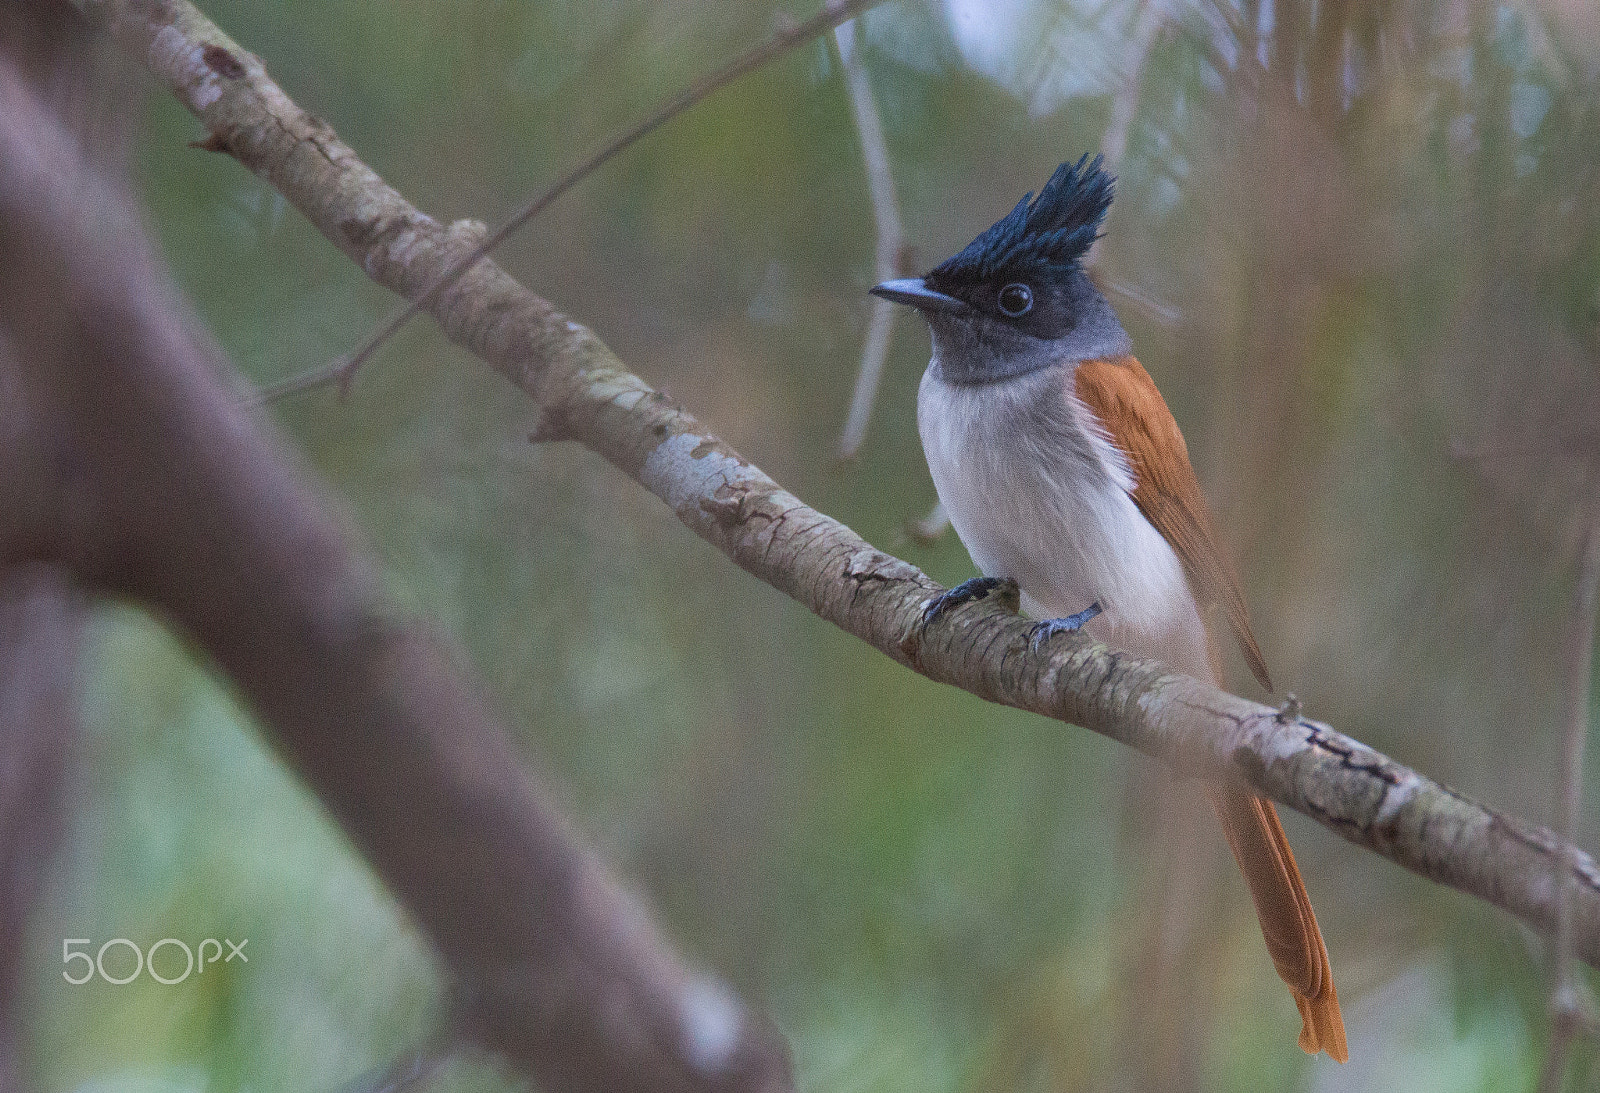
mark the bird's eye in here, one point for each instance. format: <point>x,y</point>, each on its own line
<point>1016,299</point>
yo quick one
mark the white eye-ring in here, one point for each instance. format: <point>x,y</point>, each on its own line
<point>1016,299</point>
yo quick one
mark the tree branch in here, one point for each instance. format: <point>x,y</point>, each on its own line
<point>1367,798</point>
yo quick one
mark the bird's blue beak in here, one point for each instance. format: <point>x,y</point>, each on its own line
<point>915,292</point>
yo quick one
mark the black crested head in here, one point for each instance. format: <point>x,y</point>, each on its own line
<point>1043,238</point>
<point>1017,298</point>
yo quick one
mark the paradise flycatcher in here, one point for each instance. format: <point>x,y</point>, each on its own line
<point>1063,470</point>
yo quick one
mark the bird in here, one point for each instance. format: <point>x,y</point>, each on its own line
<point>1063,470</point>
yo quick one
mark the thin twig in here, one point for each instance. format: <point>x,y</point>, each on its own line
<point>891,252</point>
<point>343,370</point>
<point>1566,1005</point>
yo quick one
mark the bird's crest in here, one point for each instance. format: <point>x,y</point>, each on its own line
<point>1047,234</point>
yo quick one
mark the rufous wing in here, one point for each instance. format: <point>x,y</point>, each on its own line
<point>1123,397</point>
<point>1121,394</point>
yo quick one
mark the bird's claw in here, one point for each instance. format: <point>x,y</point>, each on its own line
<point>1049,628</point>
<point>975,589</point>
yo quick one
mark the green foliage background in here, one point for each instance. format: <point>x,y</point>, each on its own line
<point>1384,241</point>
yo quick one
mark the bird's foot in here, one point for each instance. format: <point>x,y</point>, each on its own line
<point>1049,628</point>
<point>975,589</point>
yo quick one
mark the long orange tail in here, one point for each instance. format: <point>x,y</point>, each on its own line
<point>1287,922</point>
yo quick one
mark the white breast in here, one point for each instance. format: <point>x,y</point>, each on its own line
<point>1037,493</point>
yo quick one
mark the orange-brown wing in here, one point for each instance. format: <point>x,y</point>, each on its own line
<point>1124,397</point>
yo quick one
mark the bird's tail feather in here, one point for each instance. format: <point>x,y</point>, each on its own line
<point>1287,921</point>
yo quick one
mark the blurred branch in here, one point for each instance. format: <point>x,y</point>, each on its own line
<point>788,36</point>
<point>42,618</point>
<point>1367,798</point>
<point>1568,1008</point>
<point>170,494</point>
<point>892,257</point>
<point>41,629</point>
